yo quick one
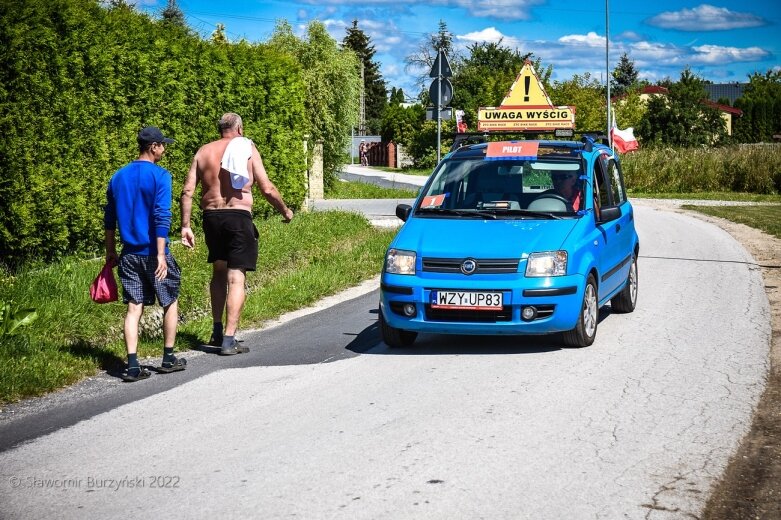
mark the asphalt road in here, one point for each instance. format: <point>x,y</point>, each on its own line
<point>322,420</point>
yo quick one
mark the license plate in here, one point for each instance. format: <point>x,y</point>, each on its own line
<point>466,300</point>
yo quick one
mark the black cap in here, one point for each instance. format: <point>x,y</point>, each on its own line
<point>152,134</point>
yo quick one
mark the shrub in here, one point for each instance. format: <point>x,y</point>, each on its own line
<point>742,168</point>
<point>77,83</point>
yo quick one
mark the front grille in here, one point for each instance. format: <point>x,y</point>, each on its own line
<point>484,266</point>
<point>459,315</point>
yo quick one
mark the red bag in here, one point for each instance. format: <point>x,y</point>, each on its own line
<point>104,288</point>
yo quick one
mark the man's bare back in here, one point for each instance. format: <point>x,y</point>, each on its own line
<point>216,189</point>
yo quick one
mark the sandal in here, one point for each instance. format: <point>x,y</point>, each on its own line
<point>130,377</point>
<point>233,349</point>
<point>172,366</point>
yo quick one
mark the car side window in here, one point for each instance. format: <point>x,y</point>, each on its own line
<point>616,184</point>
<point>601,188</point>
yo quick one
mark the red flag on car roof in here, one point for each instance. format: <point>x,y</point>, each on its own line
<point>623,140</point>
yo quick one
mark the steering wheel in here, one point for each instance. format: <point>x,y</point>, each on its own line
<point>554,196</point>
<point>549,202</point>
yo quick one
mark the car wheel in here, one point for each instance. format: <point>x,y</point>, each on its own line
<point>626,300</point>
<point>586,329</point>
<point>396,338</point>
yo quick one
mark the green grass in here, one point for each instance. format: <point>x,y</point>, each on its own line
<point>316,255</point>
<point>364,190</point>
<point>765,218</point>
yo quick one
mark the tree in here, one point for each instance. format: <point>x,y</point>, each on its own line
<point>682,117</point>
<point>587,95</point>
<point>623,77</point>
<point>218,36</point>
<point>173,15</point>
<point>375,93</point>
<point>333,88</point>
<point>443,39</point>
<point>629,109</point>
<point>761,105</point>
<point>420,62</point>
<point>400,124</point>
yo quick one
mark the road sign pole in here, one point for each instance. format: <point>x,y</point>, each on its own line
<point>439,106</point>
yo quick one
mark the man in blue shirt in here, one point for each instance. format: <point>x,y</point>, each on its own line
<point>139,201</point>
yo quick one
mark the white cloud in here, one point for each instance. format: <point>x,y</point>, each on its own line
<point>654,53</point>
<point>706,18</point>
<point>715,54</point>
<point>591,39</point>
<point>489,34</point>
<point>501,9</point>
<point>581,53</point>
<point>629,35</point>
<point>492,35</point>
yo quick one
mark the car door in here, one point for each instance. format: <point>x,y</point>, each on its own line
<point>625,225</point>
<point>610,249</point>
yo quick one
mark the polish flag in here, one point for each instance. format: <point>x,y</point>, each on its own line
<point>623,140</point>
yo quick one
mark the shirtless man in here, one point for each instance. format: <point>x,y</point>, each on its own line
<point>231,236</point>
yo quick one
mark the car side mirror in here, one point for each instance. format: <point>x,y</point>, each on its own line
<point>608,214</point>
<point>403,211</point>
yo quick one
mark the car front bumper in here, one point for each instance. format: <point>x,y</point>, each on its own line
<point>557,302</point>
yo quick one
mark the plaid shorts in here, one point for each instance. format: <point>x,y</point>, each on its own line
<point>137,274</point>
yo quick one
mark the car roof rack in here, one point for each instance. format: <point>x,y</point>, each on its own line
<point>592,138</point>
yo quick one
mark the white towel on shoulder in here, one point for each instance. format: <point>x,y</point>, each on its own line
<point>235,160</point>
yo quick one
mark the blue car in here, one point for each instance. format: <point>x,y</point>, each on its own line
<point>513,237</point>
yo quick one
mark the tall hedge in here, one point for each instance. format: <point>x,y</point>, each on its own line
<point>333,88</point>
<point>77,83</point>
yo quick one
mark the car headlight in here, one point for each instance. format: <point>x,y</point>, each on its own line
<point>547,263</point>
<point>398,261</point>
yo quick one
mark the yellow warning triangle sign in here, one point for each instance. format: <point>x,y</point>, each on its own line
<point>527,89</point>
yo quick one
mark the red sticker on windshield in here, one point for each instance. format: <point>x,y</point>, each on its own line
<point>432,201</point>
<point>512,149</point>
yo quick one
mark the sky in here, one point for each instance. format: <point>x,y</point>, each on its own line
<point>722,41</point>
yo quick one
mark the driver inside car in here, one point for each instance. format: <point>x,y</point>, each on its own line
<point>565,184</point>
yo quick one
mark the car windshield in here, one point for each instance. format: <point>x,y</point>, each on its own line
<point>548,186</point>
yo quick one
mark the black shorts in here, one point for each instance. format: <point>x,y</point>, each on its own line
<point>231,236</point>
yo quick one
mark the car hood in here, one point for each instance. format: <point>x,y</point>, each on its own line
<point>477,238</point>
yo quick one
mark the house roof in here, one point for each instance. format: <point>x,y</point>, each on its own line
<point>731,91</point>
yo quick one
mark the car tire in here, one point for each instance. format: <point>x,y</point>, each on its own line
<point>626,300</point>
<point>396,338</point>
<point>586,329</point>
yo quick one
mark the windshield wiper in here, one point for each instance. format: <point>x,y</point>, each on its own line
<point>459,212</point>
